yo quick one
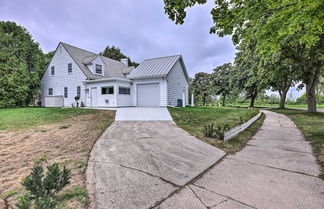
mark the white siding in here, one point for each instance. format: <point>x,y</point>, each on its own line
<point>101,98</point>
<point>124,100</point>
<point>163,90</point>
<point>176,83</point>
<point>62,78</point>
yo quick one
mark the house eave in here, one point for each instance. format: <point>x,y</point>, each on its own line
<point>148,77</point>
<point>107,79</point>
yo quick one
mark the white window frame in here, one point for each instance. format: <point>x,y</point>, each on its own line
<point>66,92</point>
<point>123,87</point>
<point>79,91</point>
<point>108,90</point>
<point>100,69</point>
<point>49,91</point>
<point>70,70</point>
<point>52,73</point>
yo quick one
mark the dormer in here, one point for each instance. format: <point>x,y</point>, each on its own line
<point>95,65</point>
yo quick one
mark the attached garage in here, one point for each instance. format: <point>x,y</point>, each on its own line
<point>160,82</point>
<point>148,95</point>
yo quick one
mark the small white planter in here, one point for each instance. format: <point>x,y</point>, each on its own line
<point>238,129</point>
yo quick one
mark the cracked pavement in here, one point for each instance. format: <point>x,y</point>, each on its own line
<point>158,165</point>
<point>140,164</point>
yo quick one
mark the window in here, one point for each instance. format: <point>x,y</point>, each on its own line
<point>107,90</point>
<point>79,91</point>
<point>124,90</point>
<point>98,69</point>
<point>50,91</point>
<point>70,68</point>
<point>52,70</point>
<point>65,92</point>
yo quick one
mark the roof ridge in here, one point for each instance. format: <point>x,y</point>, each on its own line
<point>108,58</point>
<point>78,48</point>
<point>93,54</point>
<point>177,55</point>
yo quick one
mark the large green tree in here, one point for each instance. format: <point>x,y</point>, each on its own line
<point>21,66</point>
<point>279,74</point>
<point>294,24</point>
<point>115,53</point>
<point>201,85</point>
<point>220,80</point>
<point>244,75</point>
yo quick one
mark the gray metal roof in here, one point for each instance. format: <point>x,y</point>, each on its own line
<point>155,67</point>
<point>82,57</point>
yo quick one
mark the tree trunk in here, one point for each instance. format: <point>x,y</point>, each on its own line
<point>204,99</point>
<point>311,92</point>
<point>283,96</point>
<point>253,96</point>
<point>224,96</point>
<point>252,101</point>
<point>311,98</point>
<point>282,101</point>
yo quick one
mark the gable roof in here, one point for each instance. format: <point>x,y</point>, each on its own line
<point>116,68</point>
<point>157,67</point>
<point>83,57</point>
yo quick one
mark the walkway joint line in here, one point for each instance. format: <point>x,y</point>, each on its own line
<point>188,183</point>
<point>281,169</point>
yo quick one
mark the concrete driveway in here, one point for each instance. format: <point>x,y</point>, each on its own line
<point>143,113</point>
<point>139,164</point>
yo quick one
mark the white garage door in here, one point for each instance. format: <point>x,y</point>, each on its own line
<point>148,95</point>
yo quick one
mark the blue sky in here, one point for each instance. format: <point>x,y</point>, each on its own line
<point>140,28</point>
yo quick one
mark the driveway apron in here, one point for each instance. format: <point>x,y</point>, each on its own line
<point>139,164</point>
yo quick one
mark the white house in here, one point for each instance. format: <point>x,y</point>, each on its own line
<point>102,82</point>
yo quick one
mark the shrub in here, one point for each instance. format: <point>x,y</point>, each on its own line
<point>209,130</point>
<point>220,131</point>
<point>42,190</point>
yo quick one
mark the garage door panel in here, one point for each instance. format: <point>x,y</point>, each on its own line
<point>148,95</point>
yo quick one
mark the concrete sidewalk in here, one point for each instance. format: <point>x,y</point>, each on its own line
<point>275,170</point>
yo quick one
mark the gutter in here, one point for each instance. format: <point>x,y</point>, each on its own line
<point>107,79</point>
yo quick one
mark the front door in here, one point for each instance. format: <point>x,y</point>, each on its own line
<point>93,97</point>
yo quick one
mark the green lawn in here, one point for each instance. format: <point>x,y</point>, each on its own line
<point>66,137</point>
<point>193,119</point>
<point>312,125</point>
<point>20,118</point>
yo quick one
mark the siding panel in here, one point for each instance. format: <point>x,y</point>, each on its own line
<point>176,83</point>
<point>62,78</point>
<point>101,98</point>
<point>124,100</point>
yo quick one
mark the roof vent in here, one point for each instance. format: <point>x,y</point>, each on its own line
<point>125,61</point>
